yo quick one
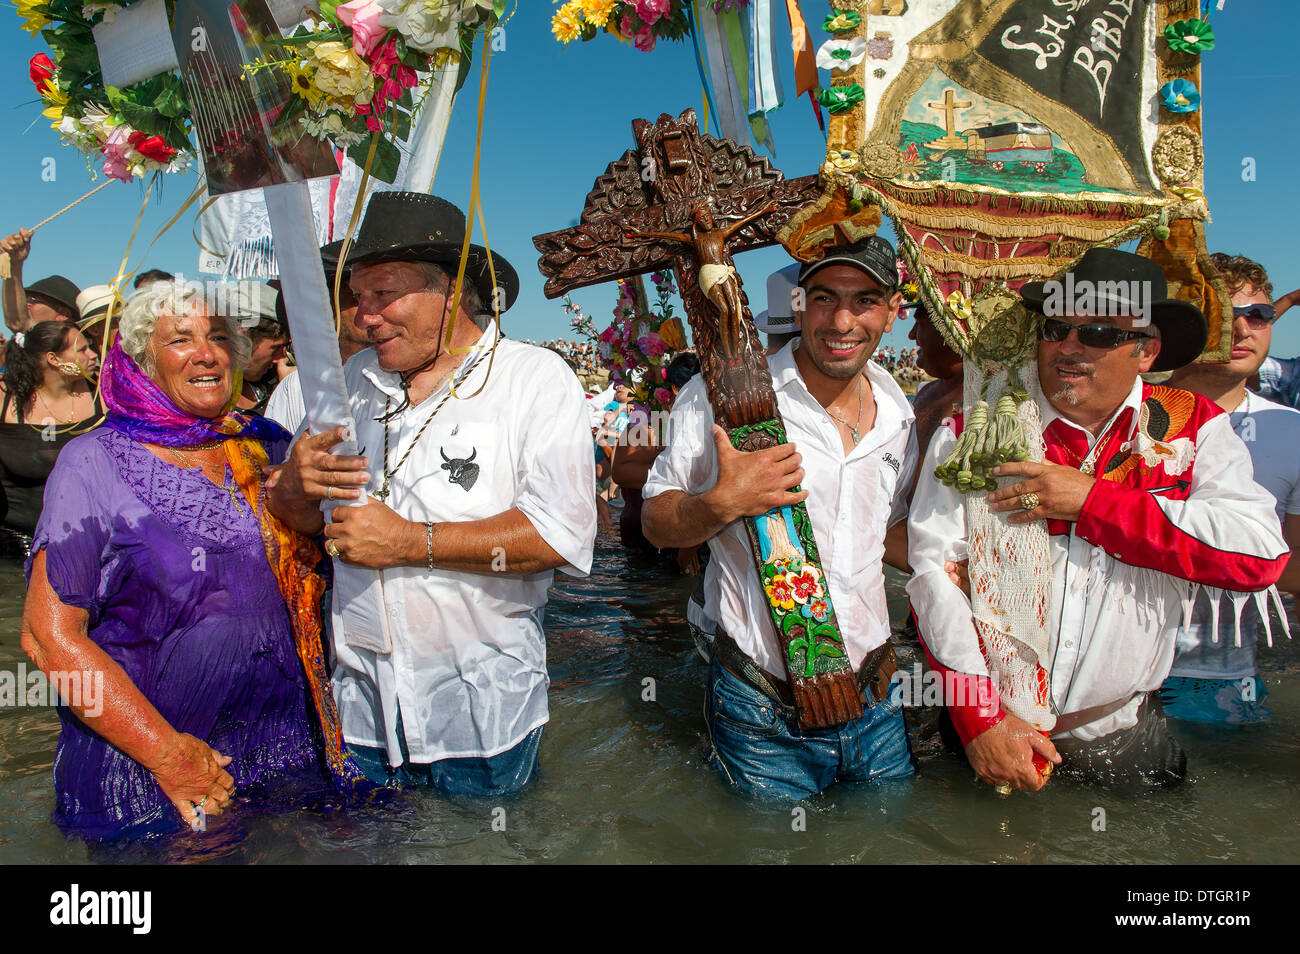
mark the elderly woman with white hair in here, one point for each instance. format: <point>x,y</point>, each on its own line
<point>177,616</point>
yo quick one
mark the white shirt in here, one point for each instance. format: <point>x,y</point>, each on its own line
<point>1114,624</point>
<point>1271,433</point>
<point>285,405</point>
<point>466,658</point>
<point>852,500</point>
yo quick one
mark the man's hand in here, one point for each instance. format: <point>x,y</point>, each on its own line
<point>312,473</point>
<point>750,484</point>
<point>688,560</point>
<point>1062,491</point>
<point>17,246</point>
<point>372,535</point>
<point>1004,754</point>
<point>959,572</point>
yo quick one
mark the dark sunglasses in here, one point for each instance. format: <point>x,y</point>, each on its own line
<point>1257,316</point>
<point>1090,336</point>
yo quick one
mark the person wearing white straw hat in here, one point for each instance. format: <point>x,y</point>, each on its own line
<point>777,319</point>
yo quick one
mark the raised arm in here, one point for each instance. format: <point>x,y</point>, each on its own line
<point>742,222</point>
<point>12,297</point>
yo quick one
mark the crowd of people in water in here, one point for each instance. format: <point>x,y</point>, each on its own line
<point>160,482</point>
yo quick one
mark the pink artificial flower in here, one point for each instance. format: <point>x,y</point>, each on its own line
<point>652,10</point>
<point>363,17</point>
<point>645,40</point>
<point>406,76</point>
<point>115,151</point>
<point>651,345</point>
<point>663,395</point>
<point>384,59</point>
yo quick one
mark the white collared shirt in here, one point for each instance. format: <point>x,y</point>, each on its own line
<point>852,500</point>
<point>465,659</point>
<point>1113,623</point>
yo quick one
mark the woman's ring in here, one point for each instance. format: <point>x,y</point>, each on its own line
<point>1029,501</point>
<point>332,548</point>
<point>329,493</point>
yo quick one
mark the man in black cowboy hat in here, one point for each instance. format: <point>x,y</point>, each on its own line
<point>1148,499</point>
<point>478,472</point>
<point>51,299</point>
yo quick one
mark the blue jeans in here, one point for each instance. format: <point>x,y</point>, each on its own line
<point>763,753</point>
<point>503,774</point>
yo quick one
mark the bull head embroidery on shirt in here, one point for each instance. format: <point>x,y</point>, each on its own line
<point>461,470</point>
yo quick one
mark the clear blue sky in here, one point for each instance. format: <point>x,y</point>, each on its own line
<point>557,115</point>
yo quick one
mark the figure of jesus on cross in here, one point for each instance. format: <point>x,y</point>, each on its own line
<point>717,279</point>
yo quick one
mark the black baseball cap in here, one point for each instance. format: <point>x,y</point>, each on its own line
<point>873,255</point>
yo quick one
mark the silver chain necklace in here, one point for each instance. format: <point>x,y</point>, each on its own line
<point>853,428</point>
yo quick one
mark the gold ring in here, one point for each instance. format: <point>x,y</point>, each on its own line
<point>201,802</point>
<point>1029,501</point>
<point>331,548</point>
<point>329,493</point>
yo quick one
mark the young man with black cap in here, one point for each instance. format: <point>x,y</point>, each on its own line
<point>852,452</point>
<point>1148,499</point>
<point>50,299</point>
<point>477,459</point>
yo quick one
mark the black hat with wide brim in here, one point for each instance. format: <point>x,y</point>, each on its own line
<point>414,227</point>
<point>56,288</point>
<point>1183,328</point>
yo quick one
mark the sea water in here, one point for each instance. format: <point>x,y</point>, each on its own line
<point>624,774</point>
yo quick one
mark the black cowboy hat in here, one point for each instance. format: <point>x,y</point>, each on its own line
<point>56,288</point>
<point>414,227</point>
<point>1183,329</point>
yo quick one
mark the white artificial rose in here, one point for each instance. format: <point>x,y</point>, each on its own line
<point>421,23</point>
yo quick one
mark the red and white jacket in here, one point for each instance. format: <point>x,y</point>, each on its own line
<point>1174,513</point>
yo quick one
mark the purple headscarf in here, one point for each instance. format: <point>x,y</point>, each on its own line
<point>138,408</point>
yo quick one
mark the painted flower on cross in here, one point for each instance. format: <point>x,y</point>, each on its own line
<point>1180,96</point>
<point>816,610</point>
<point>1189,36</point>
<point>807,584</point>
<point>779,592</point>
<point>841,55</point>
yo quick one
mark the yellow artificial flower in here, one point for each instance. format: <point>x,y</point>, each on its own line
<point>596,12</point>
<point>839,23</point>
<point>57,98</point>
<point>33,22</point>
<point>301,83</point>
<point>340,73</point>
<point>959,304</point>
<point>565,24</point>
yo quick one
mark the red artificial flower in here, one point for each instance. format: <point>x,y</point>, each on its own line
<point>151,147</point>
<point>40,69</point>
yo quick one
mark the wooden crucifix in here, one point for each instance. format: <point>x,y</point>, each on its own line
<point>688,201</point>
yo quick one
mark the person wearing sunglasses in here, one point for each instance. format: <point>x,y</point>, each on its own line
<point>1148,500</point>
<point>1214,678</point>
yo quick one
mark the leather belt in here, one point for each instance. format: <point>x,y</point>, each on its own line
<point>875,674</point>
<point>1080,717</point>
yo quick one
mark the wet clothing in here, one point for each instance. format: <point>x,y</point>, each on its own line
<point>1174,510</point>
<point>174,575</point>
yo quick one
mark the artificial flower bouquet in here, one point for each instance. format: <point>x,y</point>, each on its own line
<point>352,71</point>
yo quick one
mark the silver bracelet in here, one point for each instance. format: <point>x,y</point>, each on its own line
<point>428,538</point>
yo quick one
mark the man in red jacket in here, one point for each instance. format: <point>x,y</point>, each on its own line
<point>1150,506</point>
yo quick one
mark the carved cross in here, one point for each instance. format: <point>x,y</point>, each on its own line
<point>688,201</point>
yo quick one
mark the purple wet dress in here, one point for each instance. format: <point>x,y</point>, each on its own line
<point>180,595</point>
